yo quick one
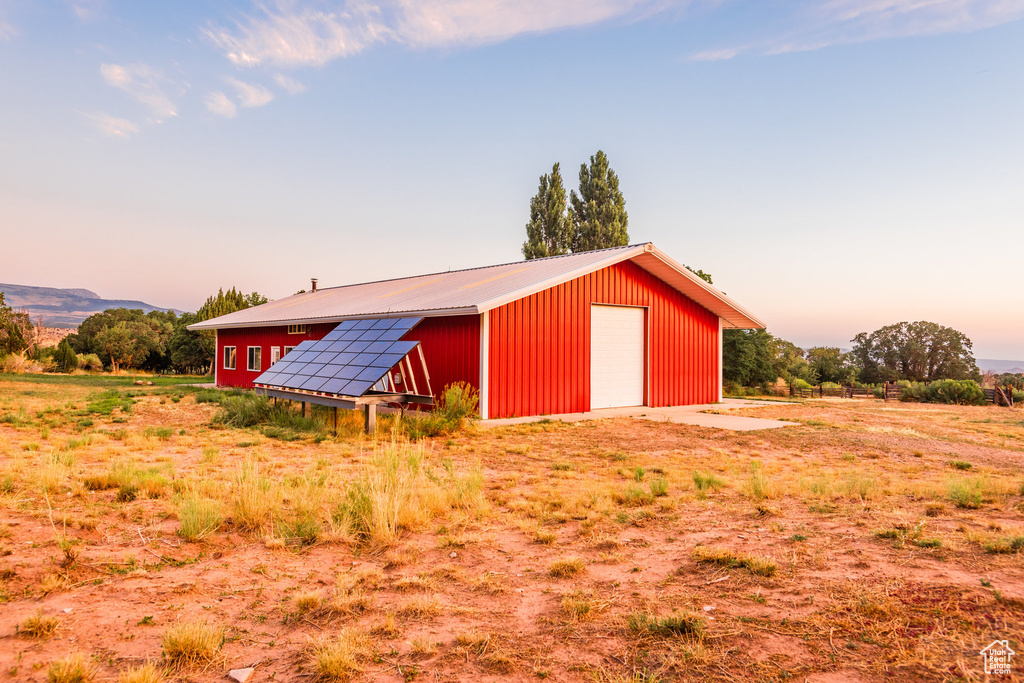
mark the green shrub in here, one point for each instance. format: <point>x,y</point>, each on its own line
<point>659,487</point>
<point>64,358</point>
<point>966,493</point>
<point>282,421</point>
<point>458,404</point>
<point>90,362</point>
<point>959,392</point>
<point>704,481</point>
<point>243,410</point>
<point>965,392</point>
<point>210,396</point>
<point>634,496</point>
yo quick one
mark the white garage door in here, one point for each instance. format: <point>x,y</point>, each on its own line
<point>616,356</point>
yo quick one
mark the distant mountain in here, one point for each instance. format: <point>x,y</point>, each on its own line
<point>1000,366</point>
<point>65,307</point>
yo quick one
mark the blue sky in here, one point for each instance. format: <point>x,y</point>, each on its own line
<point>836,165</point>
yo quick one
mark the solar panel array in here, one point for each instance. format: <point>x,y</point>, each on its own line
<point>348,361</point>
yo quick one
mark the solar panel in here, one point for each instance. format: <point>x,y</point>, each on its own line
<point>348,361</point>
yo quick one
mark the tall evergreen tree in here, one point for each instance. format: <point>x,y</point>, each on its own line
<point>193,351</point>
<point>549,232</point>
<point>598,212</point>
<point>64,358</point>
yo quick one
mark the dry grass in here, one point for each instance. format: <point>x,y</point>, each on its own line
<point>760,566</point>
<point>38,626</point>
<point>566,567</point>
<point>806,539</point>
<point>254,499</point>
<point>307,601</point>
<point>74,668</point>
<point>146,673</point>
<point>582,606</point>
<point>336,658</point>
<point>420,608</point>
<point>190,643</point>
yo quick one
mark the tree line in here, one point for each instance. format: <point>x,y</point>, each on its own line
<point>122,338</point>
<point>917,352</point>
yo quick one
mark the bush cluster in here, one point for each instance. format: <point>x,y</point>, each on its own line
<point>965,392</point>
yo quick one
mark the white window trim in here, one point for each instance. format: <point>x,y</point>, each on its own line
<point>296,329</point>
<point>275,354</point>
<point>248,358</point>
<point>234,354</point>
<point>287,350</point>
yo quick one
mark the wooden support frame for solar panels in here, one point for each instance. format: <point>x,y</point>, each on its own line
<point>368,401</point>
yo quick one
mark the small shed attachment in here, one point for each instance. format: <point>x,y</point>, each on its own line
<point>359,363</point>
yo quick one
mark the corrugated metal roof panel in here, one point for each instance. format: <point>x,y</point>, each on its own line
<point>471,291</point>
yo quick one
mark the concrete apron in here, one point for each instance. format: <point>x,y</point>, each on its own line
<point>689,415</point>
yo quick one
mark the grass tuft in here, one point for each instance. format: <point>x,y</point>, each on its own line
<point>74,668</point>
<point>1005,546</point>
<point>147,673</point>
<point>254,501</point>
<point>566,567</point>
<point>337,658</point>
<point>199,517</point>
<point>760,566</point>
<point>38,626</point>
<point>705,481</point>
<point>687,624</point>
<point>189,643</point>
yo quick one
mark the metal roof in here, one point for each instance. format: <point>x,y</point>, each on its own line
<point>476,290</point>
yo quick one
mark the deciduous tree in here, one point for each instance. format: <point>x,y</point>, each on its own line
<point>920,352</point>
<point>746,357</point>
<point>830,364</point>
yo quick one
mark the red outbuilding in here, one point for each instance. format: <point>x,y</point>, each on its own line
<point>625,326</point>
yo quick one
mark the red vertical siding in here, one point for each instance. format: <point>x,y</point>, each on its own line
<point>451,349</point>
<point>539,351</point>
<point>265,337</point>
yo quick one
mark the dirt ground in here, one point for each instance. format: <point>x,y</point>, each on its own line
<point>873,542</point>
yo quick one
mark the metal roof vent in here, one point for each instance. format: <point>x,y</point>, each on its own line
<point>313,281</point>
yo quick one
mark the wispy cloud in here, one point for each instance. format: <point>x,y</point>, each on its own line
<point>88,10</point>
<point>716,55</point>
<point>112,126</point>
<point>145,84</point>
<point>291,33</point>
<point>250,95</point>
<point>814,26</point>
<point>221,105</point>
<point>290,85</point>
